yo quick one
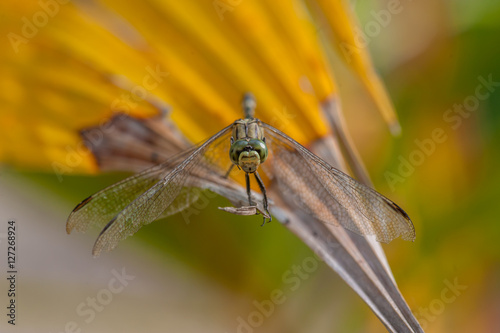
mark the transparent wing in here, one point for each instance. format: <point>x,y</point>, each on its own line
<point>330,195</point>
<point>143,198</point>
<point>100,207</point>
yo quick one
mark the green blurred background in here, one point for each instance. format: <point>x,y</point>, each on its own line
<point>205,274</point>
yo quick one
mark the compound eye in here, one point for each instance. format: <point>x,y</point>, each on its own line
<point>236,149</point>
<point>260,147</point>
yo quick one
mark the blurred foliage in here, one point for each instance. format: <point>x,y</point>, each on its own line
<point>452,196</point>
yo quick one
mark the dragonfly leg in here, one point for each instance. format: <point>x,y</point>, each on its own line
<point>247,180</point>
<point>229,171</point>
<point>263,190</point>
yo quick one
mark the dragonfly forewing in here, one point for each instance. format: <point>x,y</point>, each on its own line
<point>141,199</point>
<point>330,195</point>
<point>100,208</point>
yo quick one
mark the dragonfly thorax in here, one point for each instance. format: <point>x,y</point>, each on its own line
<point>248,128</point>
<point>248,148</point>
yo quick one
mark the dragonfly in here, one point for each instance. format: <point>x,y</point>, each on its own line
<point>302,179</point>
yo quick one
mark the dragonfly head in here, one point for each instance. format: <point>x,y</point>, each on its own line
<point>248,154</point>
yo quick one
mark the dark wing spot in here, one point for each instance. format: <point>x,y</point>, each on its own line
<point>399,210</point>
<point>81,204</point>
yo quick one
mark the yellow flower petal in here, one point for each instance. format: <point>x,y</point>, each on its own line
<point>345,31</point>
<point>113,56</point>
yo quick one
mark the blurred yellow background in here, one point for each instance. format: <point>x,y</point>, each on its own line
<point>439,62</point>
